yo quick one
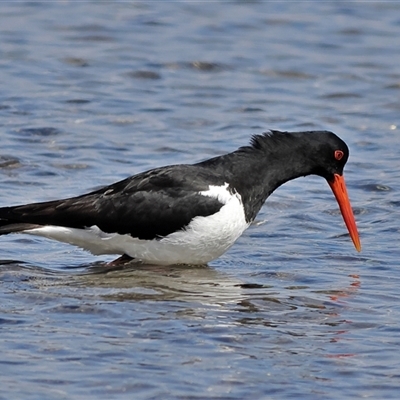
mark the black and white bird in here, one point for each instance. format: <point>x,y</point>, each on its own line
<point>189,213</point>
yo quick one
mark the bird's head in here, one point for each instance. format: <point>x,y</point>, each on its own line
<point>289,155</point>
<point>330,154</point>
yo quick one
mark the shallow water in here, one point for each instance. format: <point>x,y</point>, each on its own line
<point>94,92</point>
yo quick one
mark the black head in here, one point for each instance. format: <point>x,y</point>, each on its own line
<point>329,155</point>
<point>312,152</point>
<point>289,155</point>
<point>325,152</point>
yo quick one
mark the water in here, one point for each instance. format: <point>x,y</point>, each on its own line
<point>94,92</point>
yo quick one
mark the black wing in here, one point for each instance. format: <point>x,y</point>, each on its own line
<point>148,205</point>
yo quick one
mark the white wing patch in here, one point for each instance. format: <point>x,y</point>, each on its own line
<point>203,240</point>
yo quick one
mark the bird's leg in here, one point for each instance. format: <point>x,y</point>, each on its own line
<point>124,259</point>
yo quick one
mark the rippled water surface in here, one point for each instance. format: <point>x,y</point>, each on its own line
<point>92,92</point>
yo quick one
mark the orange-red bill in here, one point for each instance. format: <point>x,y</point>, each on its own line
<point>338,187</point>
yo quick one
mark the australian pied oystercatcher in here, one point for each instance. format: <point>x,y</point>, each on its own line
<point>188,214</point>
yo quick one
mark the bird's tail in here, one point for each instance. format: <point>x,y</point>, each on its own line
<point>10,223</point>
<point>15,227</point>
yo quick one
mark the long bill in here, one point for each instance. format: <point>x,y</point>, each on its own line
<point>338,187</point>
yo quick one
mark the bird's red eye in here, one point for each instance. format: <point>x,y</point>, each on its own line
<point>339,154</point>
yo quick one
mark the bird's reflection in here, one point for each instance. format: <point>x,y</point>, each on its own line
<point>135,281</point>
<point>204,285</point>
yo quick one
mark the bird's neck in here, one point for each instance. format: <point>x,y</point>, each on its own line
<point>256,173</point>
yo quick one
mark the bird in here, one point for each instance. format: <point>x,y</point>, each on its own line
<point>188,213</point>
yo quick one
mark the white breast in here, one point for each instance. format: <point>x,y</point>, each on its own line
<point>203,240</point>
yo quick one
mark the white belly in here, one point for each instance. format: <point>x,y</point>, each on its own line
<point>203,240</point>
